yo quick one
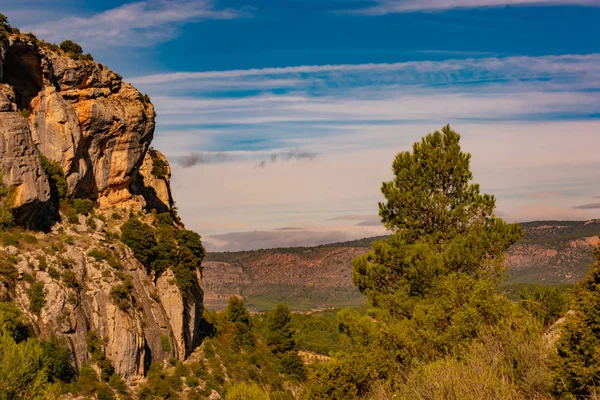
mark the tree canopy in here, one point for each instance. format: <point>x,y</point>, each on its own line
<point>433,284</point>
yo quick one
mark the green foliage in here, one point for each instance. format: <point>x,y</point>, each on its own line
<point>22,370</point>
<point>98,254</point>
<point>68,46</point>
<point>167,247</point>
<point>165,344</point>
<point>279,336</point>
<point>433,284</point>
<point>546,303</point>
<point>7,219</point>
<point>578,363</point>
<point>24,113</point>
<point>42,263</point>
<point>83,206</point>
<point>507,361</point>
<point>121,294</point>
<point>29,238</point>
<point>54,274</point>
<point>59,360</point>
<point>37,297</point>
<point>105,393</point>
<point>117,383</point>
<point>56,177</point>
<point>11,321</point>
<point>159,166</point>
<point>140,238</point>
<point>70,280</point>
<point>318,333</point>
<point>246,391</point>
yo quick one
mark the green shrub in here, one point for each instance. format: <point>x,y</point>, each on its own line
<point>6,201</point>
<point>91,223</point>
<point>42,263</point>
<point>29,238</point>
<point>37,297</point>
<point>159,166</point>
<point>117,383</point>
<point>140,238</point>
<point>70,280</point>
<point>59,360</point>
<point>54,274</point>
<point>246,391</point>
<point>83,206</point>
<point>98,254</point>
<point>7,269</point>
<point>121,296</point>
<point>546,303</point>
<point>164,342</point>
<point>115,215</point>
<point>68,46</point>
<point>24,113</point>
<point>56,177</point>
<point>104,393</point>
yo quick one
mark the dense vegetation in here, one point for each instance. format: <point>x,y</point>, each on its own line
<point>165,247</point>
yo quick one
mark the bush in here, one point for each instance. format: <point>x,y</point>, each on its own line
<point>159,166</point>
<point>54,274</point>
<point>98,254</point>
<point>70,280</point>
<point>68,46</point>
<point>37,297</point>
<point>140,238</point>
<point>246,391</point>
<point>42,263</point>
<point>546,303</point>
<point>83,206</point>
<point>56,177</point>
<point>59,360</point>
<point>164,342</point>
<point>29,238</point>
<point>121,294</point>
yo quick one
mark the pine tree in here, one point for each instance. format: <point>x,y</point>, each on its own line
<point>433,284</point>
<point>279,335</point>
<point>578,365</point>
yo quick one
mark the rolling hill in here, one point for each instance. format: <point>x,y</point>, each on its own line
<point>320,277</point>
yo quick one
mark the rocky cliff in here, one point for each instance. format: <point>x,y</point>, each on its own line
<point>72,112</point>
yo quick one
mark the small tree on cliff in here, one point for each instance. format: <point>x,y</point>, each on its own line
<point>433,283</point>
<point>578,365</point>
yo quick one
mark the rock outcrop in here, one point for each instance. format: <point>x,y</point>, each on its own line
<point>98,129</point>
<point>78,113</point>
<point>20,162</point>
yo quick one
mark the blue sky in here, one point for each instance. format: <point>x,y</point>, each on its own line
<point>281,118</point>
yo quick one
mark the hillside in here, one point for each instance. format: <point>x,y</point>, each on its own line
<point>552,252</point>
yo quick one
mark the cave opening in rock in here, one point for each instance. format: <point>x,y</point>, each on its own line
<point>23,71</point>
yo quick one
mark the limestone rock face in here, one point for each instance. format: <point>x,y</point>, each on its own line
<point>155,190</point>
<point>81,115</point>
<point>20,162</point>
<point>79,299</point>
<point>98,128</point>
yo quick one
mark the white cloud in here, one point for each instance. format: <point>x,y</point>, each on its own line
<point>402,6</point>
<point>142,23</point>
<point>450,71</point>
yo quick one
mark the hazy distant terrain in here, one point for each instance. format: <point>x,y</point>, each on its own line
<point>552,252</point>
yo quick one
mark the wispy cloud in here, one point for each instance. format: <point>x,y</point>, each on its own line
<point>140,24</point>
<point>413,72</point>
<point>294,154</point>
<point>266,157</point>
<point>588,206</point>
<point>203,157</point>
<point>402,6</point>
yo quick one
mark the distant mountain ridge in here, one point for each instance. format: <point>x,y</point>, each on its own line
<point>552,252</point>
